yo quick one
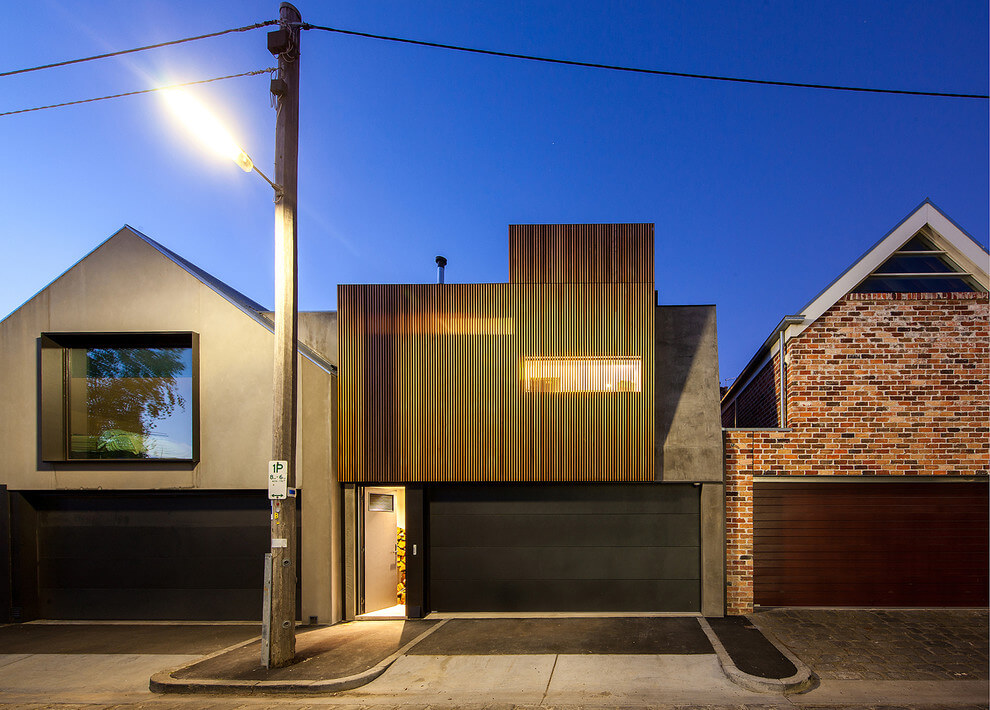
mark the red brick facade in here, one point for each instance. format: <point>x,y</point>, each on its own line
<point>756,405</point>
<point>880,385</point>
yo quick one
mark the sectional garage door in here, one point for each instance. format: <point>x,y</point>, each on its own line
<point>871,544</point>
<point>144,555</point>
<point>564,547</point>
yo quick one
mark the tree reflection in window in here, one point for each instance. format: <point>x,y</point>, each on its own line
<point>130,403</point>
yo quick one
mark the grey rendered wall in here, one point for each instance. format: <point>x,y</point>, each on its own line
<point>321,551</point>
<point>689,427</point>
<point>689,430</point>
<point>318,330</point>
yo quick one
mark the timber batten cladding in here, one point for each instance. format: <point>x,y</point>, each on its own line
<point>436,379</point>
<point>581,253</point>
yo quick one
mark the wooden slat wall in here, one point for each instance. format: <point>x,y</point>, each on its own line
<point>581,253</point>
<point>431,383</point>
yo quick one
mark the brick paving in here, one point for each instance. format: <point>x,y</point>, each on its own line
<point>894,644</point>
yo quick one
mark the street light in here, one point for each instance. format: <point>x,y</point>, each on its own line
<point>208,130</point>
<point>279,622</point>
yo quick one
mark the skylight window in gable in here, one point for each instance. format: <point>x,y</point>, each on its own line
<point>918,267</point>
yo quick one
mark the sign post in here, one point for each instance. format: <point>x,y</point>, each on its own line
<point>278,480</point>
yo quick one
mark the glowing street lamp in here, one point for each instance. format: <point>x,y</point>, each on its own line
<point>208,130</point>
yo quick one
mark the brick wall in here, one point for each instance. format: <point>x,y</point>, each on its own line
<point>756,404</point>
<point>880,385</point>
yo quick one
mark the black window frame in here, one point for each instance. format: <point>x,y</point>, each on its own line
<point>53,372</point>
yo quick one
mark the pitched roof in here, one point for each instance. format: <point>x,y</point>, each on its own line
<point>251,308</point>
<point>228,292</point>
<point>958,245</point>
<point>248,306</point>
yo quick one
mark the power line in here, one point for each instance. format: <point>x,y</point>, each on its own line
<point>637,70</point>
<point>138,49</point>
<point>141,91</point>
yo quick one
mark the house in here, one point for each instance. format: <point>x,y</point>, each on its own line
<point>136,432</point>
<point>856,439</point>
<point>547,444</point>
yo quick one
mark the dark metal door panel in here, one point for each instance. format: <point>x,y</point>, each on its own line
<point>564,547</point>
<point>143,555</point>
<point>871,544</point>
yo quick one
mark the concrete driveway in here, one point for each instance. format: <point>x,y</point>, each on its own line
<point>101,665</point>
<point>102,662</point>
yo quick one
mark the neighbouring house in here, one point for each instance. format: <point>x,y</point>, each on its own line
<point>547,444</point>
<point>856,439</point>
<point>136,431</point>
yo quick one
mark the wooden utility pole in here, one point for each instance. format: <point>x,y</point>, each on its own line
<point>281,612</point>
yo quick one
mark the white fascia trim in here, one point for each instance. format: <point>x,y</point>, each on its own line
<point>961,248</point>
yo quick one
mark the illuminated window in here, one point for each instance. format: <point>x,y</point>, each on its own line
<point>582,374</point>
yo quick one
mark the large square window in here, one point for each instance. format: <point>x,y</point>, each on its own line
<point>119,396</point>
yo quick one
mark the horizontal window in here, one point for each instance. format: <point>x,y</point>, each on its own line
<point>119,396</point>
<point>582,374</point>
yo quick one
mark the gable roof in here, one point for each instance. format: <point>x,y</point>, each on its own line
<point>248,306</point>
<point>958,245</point>
<point>251,308</point>
<point>231,294</point>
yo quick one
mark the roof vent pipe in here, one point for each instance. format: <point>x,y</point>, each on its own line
<point>441,262</point>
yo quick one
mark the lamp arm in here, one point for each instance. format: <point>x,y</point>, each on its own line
<point>277,188</point>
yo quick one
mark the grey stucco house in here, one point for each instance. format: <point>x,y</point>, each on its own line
<point>167,522</point>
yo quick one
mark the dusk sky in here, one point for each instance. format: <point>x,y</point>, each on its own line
<point>761,195</point>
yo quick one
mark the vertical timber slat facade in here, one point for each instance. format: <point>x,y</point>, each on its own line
<point>510,382</point>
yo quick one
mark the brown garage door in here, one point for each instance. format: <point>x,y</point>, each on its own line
<point>870,544</point>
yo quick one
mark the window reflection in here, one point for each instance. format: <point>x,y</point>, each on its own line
<point>582,374</point>
<point>130,403</point>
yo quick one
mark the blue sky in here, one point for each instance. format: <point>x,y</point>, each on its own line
<point>760,195</point>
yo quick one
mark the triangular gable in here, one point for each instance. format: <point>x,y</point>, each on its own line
<point>961,251</point>
<point>252,308</point>
<point>246,305</point>
<point>960,248</point>
<point>231,294</point>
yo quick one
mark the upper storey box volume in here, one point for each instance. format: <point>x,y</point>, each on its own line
<point>581,253</point>
<point>549,377</point>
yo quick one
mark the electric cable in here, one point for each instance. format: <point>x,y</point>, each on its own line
<point>266,23</point>
<point>142,91</point>
<point>638,70</point>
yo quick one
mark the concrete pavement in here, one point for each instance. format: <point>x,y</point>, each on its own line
<point>348,656</point>
<point>837,641</point>
<point>43,662</point>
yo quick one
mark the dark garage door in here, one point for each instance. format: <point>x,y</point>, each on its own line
<point>870,544</point>
<point>150,556</point>
<point>564,547</point>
